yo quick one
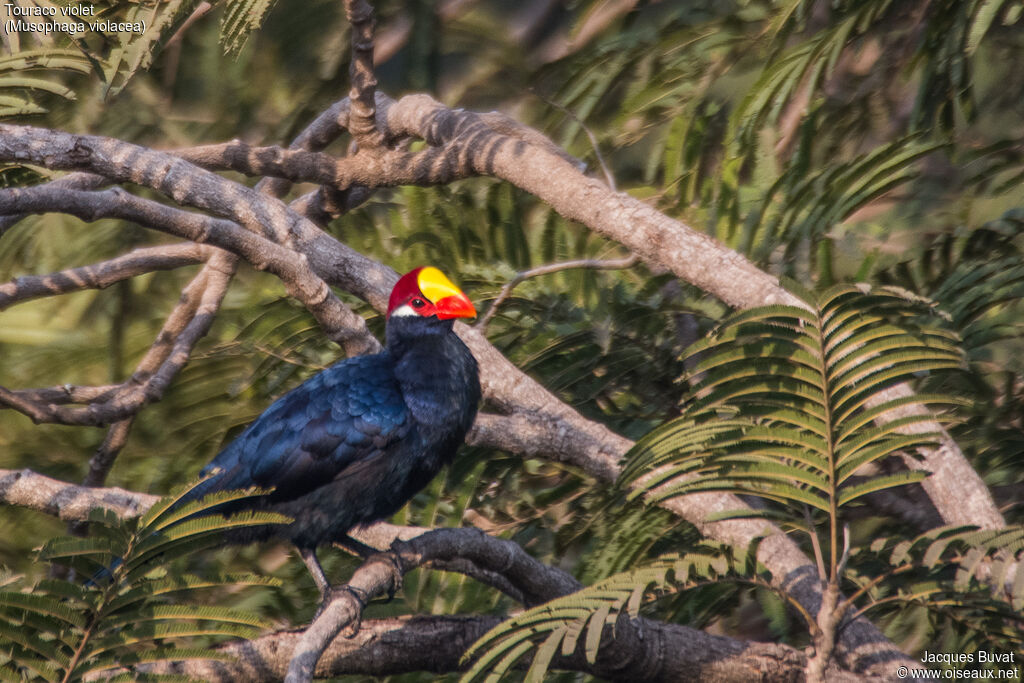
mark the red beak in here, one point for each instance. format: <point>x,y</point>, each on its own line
<point>455,306</point>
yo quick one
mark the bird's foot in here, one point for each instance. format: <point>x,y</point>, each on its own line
<point>362,598</point>
<point>397,573</point>
<point>366,552</point>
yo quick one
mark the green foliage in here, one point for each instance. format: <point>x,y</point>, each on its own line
<point>977,277</point>
<point>805,203</point>
<point>809,64</point>
<point>136,610</point>
<point>781,405</point>
<point>831,142</point>
<point>240,19</point>
<point>25,75</point>
<point>39,62</point>
<point>958,573</point>
<point>129,51</point>
<point>590,615</point>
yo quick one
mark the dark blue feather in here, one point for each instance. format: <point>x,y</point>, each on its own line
<point>353,443</point>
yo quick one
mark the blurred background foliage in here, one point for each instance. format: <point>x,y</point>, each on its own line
<point>830,142</point>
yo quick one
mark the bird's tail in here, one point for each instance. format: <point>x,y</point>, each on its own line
<point>203,499</point>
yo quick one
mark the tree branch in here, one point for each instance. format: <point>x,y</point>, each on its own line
<point>190,320</point>
<point>102,275</point>
<point>385,647</point>
<point>339,322</point>
<point>187,324</point>
<point>362,119</point>
<point>68,502</point>
<point>662,243</point>
<point>102,461</point>
<point>72,181</point>
<point>547,269</point>
<point>470,145</point>
<point>664,652</point>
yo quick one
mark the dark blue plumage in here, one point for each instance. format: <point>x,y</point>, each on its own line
<point>355,442</point>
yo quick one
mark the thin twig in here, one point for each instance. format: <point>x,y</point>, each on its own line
<point>341,324</point>
<point>186,325</point>
<point>200,300</point>
<point>819,557</point>
<point>362,118</point>
<point>845,557</point>
<point>104,274</point>
<point>103,459</point>
<point>608,177</point>
<point>201,10</point>
<point>172,48</point>
<point>506,290</point>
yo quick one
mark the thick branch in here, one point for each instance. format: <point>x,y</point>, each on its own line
<point>384,168</point>
<point>72,181</point>
<point>635,650</point>
<point>66,393</point>
<point>68,502</point>
<point>386,647</point>
<point>499,563</point>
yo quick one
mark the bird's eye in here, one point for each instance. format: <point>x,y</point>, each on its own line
<point>418,303</point>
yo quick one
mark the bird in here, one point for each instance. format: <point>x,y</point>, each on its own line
<point>355,442</point>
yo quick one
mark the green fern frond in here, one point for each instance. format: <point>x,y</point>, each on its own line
<point>804,203</point>
<point>792,386</point>
<point>61,630</point>
<point>142,677</point>
<point>974,572</point>
<point>43,605</point>
<point>27,74</point>
<point>136,53</point>
<point>208,504</point>
<point>147,590</point>
<point>557,627</point>
<point>983,14</point>
<point>241,18</point>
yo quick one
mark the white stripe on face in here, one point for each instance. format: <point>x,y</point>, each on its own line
<point>403,311</point>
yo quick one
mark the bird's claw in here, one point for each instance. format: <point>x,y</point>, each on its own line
<point>358,593</point>
<point>360,596</point>
<point>352,629</point>
<point>397,576</point>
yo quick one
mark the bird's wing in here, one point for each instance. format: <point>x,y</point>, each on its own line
<point>344,415</point>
